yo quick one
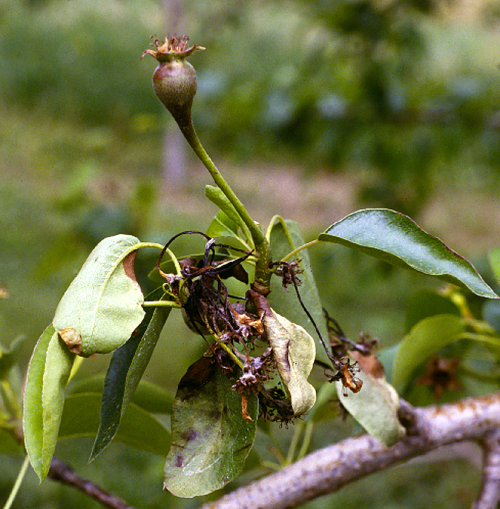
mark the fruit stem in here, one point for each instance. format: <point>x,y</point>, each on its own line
<point>262,273</point>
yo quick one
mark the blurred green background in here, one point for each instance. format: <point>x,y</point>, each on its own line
<point>327,106</point>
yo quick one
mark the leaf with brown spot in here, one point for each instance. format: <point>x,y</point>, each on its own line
<point>375,404</point>
<point>103,304</point>
<point>210,437</point>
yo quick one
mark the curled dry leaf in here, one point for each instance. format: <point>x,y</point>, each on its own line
<point>294,351</point>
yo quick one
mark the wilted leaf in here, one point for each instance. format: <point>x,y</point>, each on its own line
<point>294,352</point>
<point>210,438</point>
<point>103,305</point>
<point>48,374</point>
<point>285,237</point>
<point>397,239</point>
<point>125,371</point>
<point>375,406</point>
<point>138,428</point>
<point>424,339</point>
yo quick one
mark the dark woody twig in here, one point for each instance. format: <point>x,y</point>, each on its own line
<point>63,473</point>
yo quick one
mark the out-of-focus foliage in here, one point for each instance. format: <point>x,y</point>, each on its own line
<point>397,87</point>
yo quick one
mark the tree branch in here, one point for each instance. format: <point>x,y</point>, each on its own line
<point>62,472</point>
<point>329,469</point>
<point>490,489</point>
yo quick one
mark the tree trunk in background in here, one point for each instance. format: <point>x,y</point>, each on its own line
<point>174,167</point>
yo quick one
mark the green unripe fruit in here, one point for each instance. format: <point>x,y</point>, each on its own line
<point>174,80</point>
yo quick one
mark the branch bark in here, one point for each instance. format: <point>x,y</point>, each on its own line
<point>329,469</point>
<point>62,472</point>
<point>490,489</point>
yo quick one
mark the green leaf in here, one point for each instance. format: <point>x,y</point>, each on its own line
<point>210,438</point>
<point>396,239</point>
<point>148,396</point>
<point>9,445</point>
<point>425,303</point>
<point>217,197</point>
<point>491,313</point>
<point>375,407</point>
<point>138,427</point>
<point>294,352</point>
<point>494,257</point>
<point>424,339</point>
<point>285,237</point>
<point>326,407</point>
<point>9,356</point>
<point>103,305</point>
<point>125,371</point>
<point>222,226</point>
<point>48,374</point>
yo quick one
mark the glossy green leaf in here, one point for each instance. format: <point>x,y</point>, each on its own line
<point>375,407</point>
<point>48,374</point>
<point>148,396</point>
<point>424,339</point>
<point>395,238</point>
<point>138,428</point>
<point>217,197</point>
<point>294,352</point>
<point>210,438</point>
<point>103,305</point>
<point>425,303</point>
<point>285,237</point>
<point>125,371</point>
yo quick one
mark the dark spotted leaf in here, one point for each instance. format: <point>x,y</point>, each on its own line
<point>395,238</point>
<point>210,438</point>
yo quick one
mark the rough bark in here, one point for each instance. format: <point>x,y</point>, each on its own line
<point>329,469</point>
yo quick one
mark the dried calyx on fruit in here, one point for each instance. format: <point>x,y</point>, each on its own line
<point>174,80</point>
